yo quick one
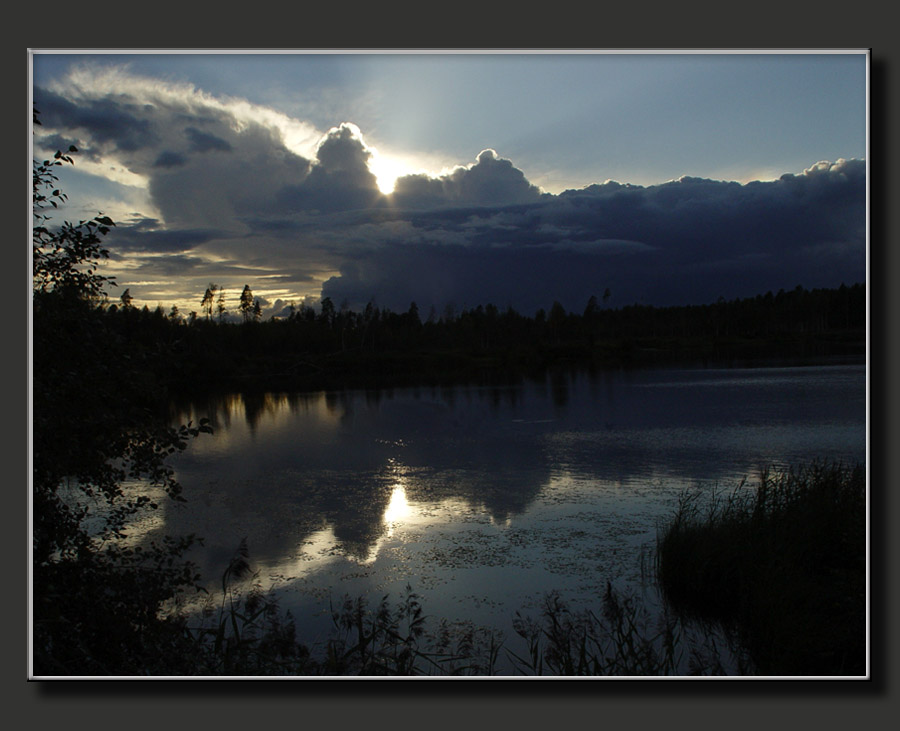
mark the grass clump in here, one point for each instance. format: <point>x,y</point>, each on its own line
<point>623,639</point>
<point>395,641</point>
<point>781,567</point>
<point>245,632</point>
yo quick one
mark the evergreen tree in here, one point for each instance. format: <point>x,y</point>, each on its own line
<point>246,303</point>
<point>220,305</point>
<point>208,297</point>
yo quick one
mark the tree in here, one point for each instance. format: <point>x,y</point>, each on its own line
<point>64,259</point>
<point>589,319</point>
<point>328,312</point>
<point>246,303</point>
<point>207,303</point>
<point>413,315</point>
<point>557,319</point>
<point>95,600</point>
<point>127,299</point>
<point>220,305</point>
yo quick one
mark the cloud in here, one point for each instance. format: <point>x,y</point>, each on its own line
<point>490,181</point>
<point>110,121</point>
<point>148,235</point>
<point>685,241</point>
<point>169,159</point>
<point>242,194</point>
<point>206,161</point>
<point>201,141</point>
<point>339,179</point>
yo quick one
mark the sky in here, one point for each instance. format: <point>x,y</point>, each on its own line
<point>455,179</point>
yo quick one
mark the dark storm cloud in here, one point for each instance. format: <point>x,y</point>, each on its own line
<point>109,120</point>
<point>687,241</point>
<point>466,276</point>
<point>205,142</point>
<point>60,142</point>
<point>169,159</point>
<point>148,235</point>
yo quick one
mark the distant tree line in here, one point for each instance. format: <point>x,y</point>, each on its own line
<point>308,345</point>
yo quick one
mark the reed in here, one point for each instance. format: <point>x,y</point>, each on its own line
<point>624,639</point>
<point>781,566</point>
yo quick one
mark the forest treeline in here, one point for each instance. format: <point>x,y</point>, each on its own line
<point>327,346</point>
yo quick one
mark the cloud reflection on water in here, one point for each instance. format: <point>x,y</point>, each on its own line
<point>320,480</point>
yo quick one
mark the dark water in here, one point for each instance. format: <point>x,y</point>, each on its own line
<point>484,498</point>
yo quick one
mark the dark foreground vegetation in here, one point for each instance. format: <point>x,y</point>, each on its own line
<point>101,604</point>
<point>781,564</point>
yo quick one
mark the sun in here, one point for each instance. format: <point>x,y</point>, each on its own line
<point>386,170</point>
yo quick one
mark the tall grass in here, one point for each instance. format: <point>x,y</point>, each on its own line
<point>624,639</point>
<point>245,632</point>
<point>781,566</point>
<point>396,641</point>
<point>247,635</point>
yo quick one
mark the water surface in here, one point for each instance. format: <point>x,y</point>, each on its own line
<point>484,498</point>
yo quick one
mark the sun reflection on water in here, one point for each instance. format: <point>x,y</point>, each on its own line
<point>398,507</point>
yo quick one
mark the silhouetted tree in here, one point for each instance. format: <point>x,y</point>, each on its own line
<point>95,600</point>
<point>220,306</point>
<point>246,303</point>
<point>328,313</point>
<point>413,313</point>
<point>208,299</point>
<point>66,258</point>
<point>557,320</point>
<point>589,319</point>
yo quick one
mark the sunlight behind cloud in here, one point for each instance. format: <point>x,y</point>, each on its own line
<point>386,171</point>
<point>388,166</point>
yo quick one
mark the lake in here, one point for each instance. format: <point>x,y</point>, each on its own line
<point>483,498</point>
